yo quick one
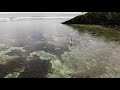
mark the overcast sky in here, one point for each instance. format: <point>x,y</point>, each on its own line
<point>39,14</point>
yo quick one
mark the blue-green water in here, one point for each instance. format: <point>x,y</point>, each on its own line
<point>49,35</point>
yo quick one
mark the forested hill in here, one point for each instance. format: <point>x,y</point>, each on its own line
<point>99,18</point>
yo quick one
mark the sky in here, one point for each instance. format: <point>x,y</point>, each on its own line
<point>42,12</point>
<point>39,14</point>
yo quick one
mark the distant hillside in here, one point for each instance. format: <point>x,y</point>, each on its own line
<point>98,18</point>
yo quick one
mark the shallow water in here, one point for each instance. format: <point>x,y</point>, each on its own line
<point>48,34</point>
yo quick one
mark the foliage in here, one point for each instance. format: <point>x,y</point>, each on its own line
<point>99,18</point>
<point>15,51</point>
<point>4,57</point>
<point>11,53</point>
<point>110,34</point>
<point>12,75</point>
<point>73,64</point>
<point>59,70</point>
<point>43,55</point>
<point>87,67</point>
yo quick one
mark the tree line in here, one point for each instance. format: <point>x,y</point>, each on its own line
<point>99,18</point>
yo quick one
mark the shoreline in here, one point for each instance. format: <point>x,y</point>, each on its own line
<point>99,30</point>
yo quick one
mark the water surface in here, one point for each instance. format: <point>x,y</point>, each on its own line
<point>48,34</point>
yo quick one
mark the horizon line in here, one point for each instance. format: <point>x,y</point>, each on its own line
<point>41,12</point>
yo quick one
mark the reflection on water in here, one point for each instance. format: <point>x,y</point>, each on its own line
<point>50,36</point>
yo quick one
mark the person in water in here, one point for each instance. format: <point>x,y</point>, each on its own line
<point>71,42</point>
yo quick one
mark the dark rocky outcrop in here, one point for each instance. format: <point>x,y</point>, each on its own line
<point>98,18</point>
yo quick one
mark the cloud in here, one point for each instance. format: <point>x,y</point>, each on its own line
<point>40,12</point>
